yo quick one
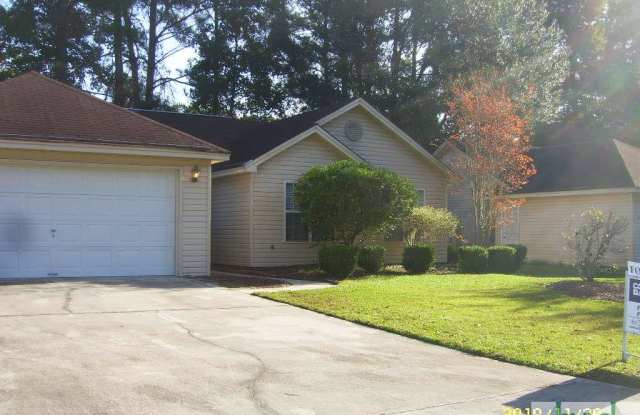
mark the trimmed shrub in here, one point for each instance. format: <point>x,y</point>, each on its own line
<point>338,260</point>
<point>521,255</point>
<point>452,254</point>
<point>371,258</point>
<point>472,259</point>
<point>417,259</point>
<point>502,259</point>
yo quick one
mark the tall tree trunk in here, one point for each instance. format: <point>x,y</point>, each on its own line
<point>395,55</point>
<point>151,53</point>
<point>60,63</point>
<point>119,93</point>
<point>133,58</point>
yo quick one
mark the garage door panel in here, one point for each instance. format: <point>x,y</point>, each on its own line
<point>35,260</point>
<point>82,221</point>
<point>38,207</point>
<point>160,232</point>
<point>98,233</point>
<point>34,233</point>
<point>9,262</point>
<point>11,205</point>
<point>66,258</point>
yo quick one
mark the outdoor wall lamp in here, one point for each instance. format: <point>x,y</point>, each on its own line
<point>195,174</point>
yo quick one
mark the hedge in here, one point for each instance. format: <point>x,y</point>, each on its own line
<point>417,259</point>
<point>502,259</point>
<point>371,258</point>
<point>472,259</point>
<point>338,260</point>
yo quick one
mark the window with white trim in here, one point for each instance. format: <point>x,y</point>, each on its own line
<point>422,197</point>
<point>295,229</point>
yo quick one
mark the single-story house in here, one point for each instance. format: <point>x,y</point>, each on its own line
<point>571,178</point>
<point>255,219</point>
<point>91,189</point>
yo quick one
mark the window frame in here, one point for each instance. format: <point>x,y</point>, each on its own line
<point>284,215</point>
<point>423,202</point>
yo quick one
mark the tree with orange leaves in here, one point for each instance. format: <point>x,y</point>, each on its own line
<point>494,133</point>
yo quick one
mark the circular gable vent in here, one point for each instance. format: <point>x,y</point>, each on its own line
<point>353,130</point>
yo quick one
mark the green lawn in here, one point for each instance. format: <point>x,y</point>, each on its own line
<point>506,317</point>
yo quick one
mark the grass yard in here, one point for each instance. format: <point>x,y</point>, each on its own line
<point>507,317</point>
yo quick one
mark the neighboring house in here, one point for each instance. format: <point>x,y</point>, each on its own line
<point>459,197</point>
<point>255,220</point>
<point>91,189</point>
<point>571,178</point>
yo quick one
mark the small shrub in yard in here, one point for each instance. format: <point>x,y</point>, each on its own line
<point>452,254</point>
<point>521,255</point>
<point>472,259</point>
<point>502,259</point>
<point>338,260</point>
<point>417,259</point>
<point>371,258</point>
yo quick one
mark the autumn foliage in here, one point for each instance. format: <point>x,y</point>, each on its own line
<point>494,133</point>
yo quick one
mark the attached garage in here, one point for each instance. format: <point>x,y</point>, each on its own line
<point>119,196</point>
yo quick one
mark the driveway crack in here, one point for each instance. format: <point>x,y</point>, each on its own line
<point>68,297</point>
<point>253,384</point>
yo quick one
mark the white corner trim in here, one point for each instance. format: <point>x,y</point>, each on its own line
<point>390,125</point>
<point>251,166</point>
<point>111,149</point>
<point>587,192</point>
<point>303,135</point>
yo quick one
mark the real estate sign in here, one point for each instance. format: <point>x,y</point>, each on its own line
<point>631,305</point>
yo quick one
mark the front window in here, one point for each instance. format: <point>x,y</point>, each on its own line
<point>295,229</point>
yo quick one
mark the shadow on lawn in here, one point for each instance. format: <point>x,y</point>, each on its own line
<point>582,390</point>
<point>608,314</point>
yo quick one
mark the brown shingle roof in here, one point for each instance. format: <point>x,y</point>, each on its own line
<point>36,108</point>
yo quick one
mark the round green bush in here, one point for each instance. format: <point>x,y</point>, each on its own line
<point>502,259</point>
<point>371,258</point>
<point>338,260</point>
<point>417,259</point>
<point>452,254</point>
<point>521,255</point>
<point>472,259</point>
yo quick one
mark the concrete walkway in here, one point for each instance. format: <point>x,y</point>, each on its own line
<point>178,346</point>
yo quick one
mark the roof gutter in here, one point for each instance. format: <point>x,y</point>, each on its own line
<point>132,150</point>
<point>586,192</point>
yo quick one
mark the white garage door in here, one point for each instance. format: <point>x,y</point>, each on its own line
<point>72,221</point>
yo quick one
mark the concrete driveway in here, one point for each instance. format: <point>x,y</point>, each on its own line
<point>179,346</point>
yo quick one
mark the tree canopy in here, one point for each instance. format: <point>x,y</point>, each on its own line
<point>565,60</point>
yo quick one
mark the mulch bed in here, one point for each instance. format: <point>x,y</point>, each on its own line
<point>313,273</point>
<point>592,290</point>
<point>244,282</point>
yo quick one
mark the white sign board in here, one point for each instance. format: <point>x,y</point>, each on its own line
<point>632,299</point>
<point>631,323</point>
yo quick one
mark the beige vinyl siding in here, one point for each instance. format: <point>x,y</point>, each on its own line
<point>543,220</point>
<point>194,214</point>
<point>193,207</point>
<point>382,148</point>
<point>270,247</point>
<point>231,220</point>
<point>459,195</point>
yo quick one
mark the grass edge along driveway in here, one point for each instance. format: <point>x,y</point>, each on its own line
<point>511,318</point>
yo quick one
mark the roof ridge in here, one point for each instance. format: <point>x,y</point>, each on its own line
<point>117,107</point>
<point>198,114</point>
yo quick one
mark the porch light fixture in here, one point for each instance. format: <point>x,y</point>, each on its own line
<point>195,174</point>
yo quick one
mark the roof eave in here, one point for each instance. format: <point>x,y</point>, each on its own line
<point>30,143</point>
